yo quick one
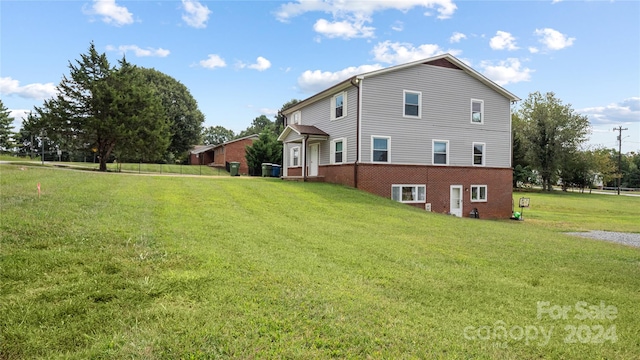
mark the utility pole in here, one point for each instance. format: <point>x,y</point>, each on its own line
<point>619,129</point>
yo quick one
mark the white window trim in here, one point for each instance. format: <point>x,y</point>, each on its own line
<point>404,103</point>
<point>388,149</point>
<point>433,152</point>
<point>344,105</point>
<point>484,153</point>
<point>481,111</point>
<point>486,194</point>
<point>293,117</point>
<point>292,157</point>
<point>419,201</point>
<point>333,151</point>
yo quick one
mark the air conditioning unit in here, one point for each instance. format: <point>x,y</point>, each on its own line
<point>427,206</point>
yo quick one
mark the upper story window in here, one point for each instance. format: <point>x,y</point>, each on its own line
<point>478,193</point>
<point>478,154</point>
<point>296,118</point>
<point>412,104</point>
<point>295,156</point>
<point>477,111</point>
<point>409,193</point>
<point>338,151</point>
<point>441,152</point>
<point>380,148</point>
<point>339,106</point>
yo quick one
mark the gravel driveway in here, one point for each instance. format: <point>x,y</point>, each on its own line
<point>630,239</point>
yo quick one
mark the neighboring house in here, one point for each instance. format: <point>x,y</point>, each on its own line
<point>233,150</point>
<point>434,133</point>
<point>201,155</point>
<point>222,154</point>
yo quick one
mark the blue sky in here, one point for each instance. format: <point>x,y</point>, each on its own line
<point>241,59</point>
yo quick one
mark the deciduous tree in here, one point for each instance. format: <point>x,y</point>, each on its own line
<point>551,132</point>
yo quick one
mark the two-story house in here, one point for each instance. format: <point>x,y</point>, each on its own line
<point>432,133</point>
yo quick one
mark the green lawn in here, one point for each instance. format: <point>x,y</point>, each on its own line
<point>117,266</point>
<point>125,167</point>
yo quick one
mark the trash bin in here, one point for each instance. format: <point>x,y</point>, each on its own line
<point>234,166</point>
<point>474,213</point>
<point>266,169</point>
<point>275,170</point>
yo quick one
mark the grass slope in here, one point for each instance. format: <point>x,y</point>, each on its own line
<point>119,266</point>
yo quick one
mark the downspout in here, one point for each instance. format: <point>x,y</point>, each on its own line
<point>355,165</point>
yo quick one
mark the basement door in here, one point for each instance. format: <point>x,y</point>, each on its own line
<point>313,159</point>
<point>455,200</point>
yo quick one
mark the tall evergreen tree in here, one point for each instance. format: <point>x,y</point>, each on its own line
<point>6,129</point>
<point>104,108</point>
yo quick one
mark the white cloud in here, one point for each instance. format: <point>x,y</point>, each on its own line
<point>261,64</point>
<point>624,112</point>
<point>533,49</point>
<point>399,53</point>
<point>268,112</point>
<point>397,26</point>
<point>456,37</point>
<point>196,15</point>
<point>139,52</point>
<point>553,39</point>
<point>317,80</point>
<point>349,17</point>
<point>509,71</point>
<point>111,12</point>
<point>343,29</point>
<point>503,40</point>
<point>213,61</point>
<point>37,91</point>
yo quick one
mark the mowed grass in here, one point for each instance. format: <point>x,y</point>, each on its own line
<point>575,211</point>
<point>121,266</point>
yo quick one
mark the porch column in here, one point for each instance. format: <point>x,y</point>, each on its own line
<point>303,155</point>
<point>285,159</point>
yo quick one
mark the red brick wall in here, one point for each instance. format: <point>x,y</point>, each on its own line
<point>377,179</point>
<point>218,156</point>
<point>337,174</point>
<point>236,152</point>
<point>294,171</point>
<point>204,159</point>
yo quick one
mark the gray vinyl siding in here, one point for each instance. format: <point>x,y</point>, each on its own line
<point>446,115</point>
<point>318,114</point>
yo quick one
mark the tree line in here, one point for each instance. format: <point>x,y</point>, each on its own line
<point>549,149</point>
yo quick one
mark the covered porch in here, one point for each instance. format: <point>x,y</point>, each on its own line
<point>301,152</point>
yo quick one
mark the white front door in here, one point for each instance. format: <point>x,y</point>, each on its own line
<point>313,159</point>
<point>455,200</point>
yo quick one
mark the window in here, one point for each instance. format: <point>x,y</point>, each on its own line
<point>478,193</point>
<point>380,149</point>
<point>297,116</point>
<point>338,151</point>
<point>478,154</point>
<point>412,101</point>
<point>295,156</point>
<point>440,152</point>
<point>477,111</point>
<point>409,193</point>
<point>339,106</point>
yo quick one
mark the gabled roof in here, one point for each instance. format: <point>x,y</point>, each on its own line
<point>301,130</point>
<point>440,60</point>
<point>238,139</point>
<point>199,149</point>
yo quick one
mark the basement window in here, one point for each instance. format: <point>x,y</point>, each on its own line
<point>409,193</point>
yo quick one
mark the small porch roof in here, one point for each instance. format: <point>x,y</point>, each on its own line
<point>302,131</point>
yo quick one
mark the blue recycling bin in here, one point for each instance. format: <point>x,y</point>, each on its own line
<point>275,170</point>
